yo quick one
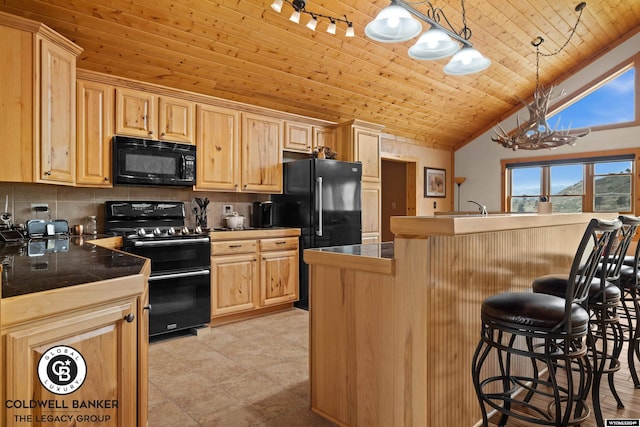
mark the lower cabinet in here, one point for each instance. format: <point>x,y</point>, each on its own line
<point>252,276</point>
<point>83,363</point>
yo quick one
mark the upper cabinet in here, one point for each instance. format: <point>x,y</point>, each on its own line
<point>298,137</point>
<point>218,163</point>
<point>324,137</point>
<point>147,115</point>
<point>261,156</point>
<point>360,142</point>
<point>37,139</point>
<point>94,128</point>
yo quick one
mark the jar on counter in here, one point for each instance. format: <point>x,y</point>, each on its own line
<point>91,226</point>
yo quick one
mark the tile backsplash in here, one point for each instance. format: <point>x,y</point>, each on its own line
<point>75,204</point>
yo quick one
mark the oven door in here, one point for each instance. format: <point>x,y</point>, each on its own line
<point>179,301</point>
<point>173,254</point>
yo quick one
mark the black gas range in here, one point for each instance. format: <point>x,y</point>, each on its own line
<point>179,284</point>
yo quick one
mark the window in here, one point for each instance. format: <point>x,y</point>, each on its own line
<point>607,102</point>
<point>585,185</point>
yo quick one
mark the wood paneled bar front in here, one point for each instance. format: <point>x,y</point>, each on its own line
<point>391,338</point>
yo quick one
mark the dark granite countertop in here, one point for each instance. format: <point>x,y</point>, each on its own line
<point>45,264</point>
<point>374,250</point>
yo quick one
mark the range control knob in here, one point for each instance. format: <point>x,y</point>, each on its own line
<point>157,231</point>
<point>185,230</point>
<point>171,231</point>
<point>198,230</point>
<point>141,232</point>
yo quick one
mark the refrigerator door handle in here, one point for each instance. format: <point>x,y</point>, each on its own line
<point>319,204</point>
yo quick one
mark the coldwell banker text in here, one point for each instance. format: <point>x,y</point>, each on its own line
<point>57,409</point>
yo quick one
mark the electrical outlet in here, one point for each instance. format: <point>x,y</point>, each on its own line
<point>40,207</point>
<point>435,205</point>
<point>227,209</point>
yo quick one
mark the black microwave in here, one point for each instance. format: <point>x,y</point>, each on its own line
<point>138,161</point>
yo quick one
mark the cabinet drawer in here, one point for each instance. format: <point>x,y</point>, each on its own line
<point>233,247</point>
<point>278,244</point>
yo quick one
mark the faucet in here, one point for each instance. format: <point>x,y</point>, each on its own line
<point>482,208</point>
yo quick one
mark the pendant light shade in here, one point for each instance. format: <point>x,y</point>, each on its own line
<point>393,24</point>
<point>277,5</point>
<point>433,44</point>
<point>295,17</point>
<point>467,61</point>
<point>312,24</point>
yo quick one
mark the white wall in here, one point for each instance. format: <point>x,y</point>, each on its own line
<point>479,161</point>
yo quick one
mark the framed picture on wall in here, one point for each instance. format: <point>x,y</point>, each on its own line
<point>435,182</point>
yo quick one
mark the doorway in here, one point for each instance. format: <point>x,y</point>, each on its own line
<point>398,190</point>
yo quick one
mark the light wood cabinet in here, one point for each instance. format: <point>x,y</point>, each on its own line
<point>250,275</point>
<point>146,115</point>
<point>105,337</point>
<point>94,120</point>
<point>324,137</point>
<point>359,141</point>
<point>234,277</point>
<point>278,271</point>
<point>37,138</point>
<point>298,137</point>
<point>261,157</point>
<point>217,144</point>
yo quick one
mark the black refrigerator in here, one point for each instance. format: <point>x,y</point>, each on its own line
<point>322,198</point>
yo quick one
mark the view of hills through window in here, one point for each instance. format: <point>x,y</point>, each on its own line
<point>610,192</point>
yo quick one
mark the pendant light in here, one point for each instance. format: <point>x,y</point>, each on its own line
<point>393,24</point>
<point>467,61</point>
<point>433,44</point>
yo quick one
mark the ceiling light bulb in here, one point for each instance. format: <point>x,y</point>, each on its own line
<point>295,17</point>
<point>313,22</point>
<point>277,5</point>
<point>350,32</point>
<point>467,61</point>
<point>331,29</point>
<point>393,24</point>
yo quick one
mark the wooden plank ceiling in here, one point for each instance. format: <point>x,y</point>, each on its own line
<point>244,51</point>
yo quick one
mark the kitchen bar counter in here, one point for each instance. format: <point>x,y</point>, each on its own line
<point>376,257</point>
<point>393,347</point>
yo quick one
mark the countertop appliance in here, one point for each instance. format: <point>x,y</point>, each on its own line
<point>138,161</point>
<point>262,215</point>
<point>322,198</point>
<point>179,284</point>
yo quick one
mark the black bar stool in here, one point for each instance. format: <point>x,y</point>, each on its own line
<point>545,329</point>
<point>629,285</point>
<point>606,335</point>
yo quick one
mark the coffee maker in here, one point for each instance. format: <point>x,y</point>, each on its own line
<point>262,214</point>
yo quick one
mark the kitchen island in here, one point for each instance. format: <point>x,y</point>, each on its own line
<point>391,339</point>
<point>71,295</point>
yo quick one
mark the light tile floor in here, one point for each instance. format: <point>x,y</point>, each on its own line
<point>250,373</point>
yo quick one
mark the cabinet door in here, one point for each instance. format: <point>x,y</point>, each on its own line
<point>261,154</point>
<point>367,151</point>
<point>371,199</point>
<point>278,277</point>
<point>297,137</point>
<point>57,161</point>
<point>323,137</point>
<point>94,130</point>
<point>106,342</point>
<point>135,113</point>
<point>233,284</point>
<point>176,120</point>
<point>217,145</point>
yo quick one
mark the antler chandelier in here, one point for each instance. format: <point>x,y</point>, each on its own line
<point>536,134</point>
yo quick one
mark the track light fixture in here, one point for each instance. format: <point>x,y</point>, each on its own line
<point>299,8</point>
<point>395,23</point>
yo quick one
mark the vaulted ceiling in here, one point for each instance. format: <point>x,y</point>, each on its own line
<point>242,50</point>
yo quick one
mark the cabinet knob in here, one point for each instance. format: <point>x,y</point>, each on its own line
<point>129,317</point>
<point>47,173</point>
<point>163,134</point>
<point>150,132</point>
<point>106,178</point>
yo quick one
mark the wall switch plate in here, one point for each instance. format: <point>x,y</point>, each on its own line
<point>227,209</point>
